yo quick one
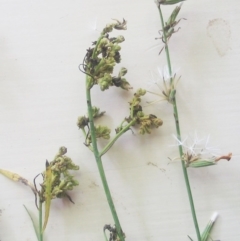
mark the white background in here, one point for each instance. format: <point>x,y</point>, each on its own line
<point>42,93</point>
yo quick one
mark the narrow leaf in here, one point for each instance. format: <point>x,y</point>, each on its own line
<point>17,178</point>
<point>206,233</point>
<point>48,194</point>
<point>33,223</point>
<point>190,238</point>
<point>105,235</point>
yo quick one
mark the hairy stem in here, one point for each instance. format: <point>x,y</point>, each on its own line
<point>175,111</point>
<point>100,166</point>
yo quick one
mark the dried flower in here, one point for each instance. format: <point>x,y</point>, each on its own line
<point>144,121</point>
<point>169,85</point>
<point>198,154</point>
<point>61,180</point>
<point>100,60</point>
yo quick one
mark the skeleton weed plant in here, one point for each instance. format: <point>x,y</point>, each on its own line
<point>57,180</point>
<point>189,157</point>
<point>98,66</point>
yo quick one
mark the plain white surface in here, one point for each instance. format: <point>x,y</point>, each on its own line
<point>42,94</point>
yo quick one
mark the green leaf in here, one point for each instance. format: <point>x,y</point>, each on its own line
<point>48,193</point>
<point>33,223</point>
<point>206,233</point>
<point>190,238</point>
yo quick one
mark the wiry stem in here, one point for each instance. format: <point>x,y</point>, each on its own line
<point>175,111</point>
<point>100,166</point>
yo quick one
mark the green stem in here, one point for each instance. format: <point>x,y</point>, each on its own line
<point>40,221</point>
<point>110,144</point>
<point>175,111</point>
<point>100,166</point>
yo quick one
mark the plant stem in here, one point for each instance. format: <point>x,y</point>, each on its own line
<point>40,221</point>
<point>100,166</point>
<point>110,144</point>
<point>175,111</point>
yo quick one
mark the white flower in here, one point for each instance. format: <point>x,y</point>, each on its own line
<point>197,152</point>
<point>194,145</point>
<point>164,73</point>
<point>167,92</point>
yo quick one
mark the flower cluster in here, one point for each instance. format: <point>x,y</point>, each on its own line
<point>144,121</point>
<point>60,180</point>
<point>100,131</point>
<point>99,61</point>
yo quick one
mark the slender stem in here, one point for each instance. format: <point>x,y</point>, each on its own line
<point>40,221</point>
<point>110,144</point>
<point>175,111</point>
<point>100,166</point>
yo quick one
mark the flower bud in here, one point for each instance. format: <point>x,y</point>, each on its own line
<point>157,122</point>
<point>107,29</point>
<point>140,92</point>
<point>118,39</point>
<point>122,72</point>
<point>96,112</point>
<point>62,150</point>
<point>103,42</point>
<point>102,132</point>
<point>105,81</point>
<point>119,25</point>
<point>82,122</point>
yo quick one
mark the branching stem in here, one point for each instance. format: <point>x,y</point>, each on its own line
<point>99,164</point>
<point>110,144</point>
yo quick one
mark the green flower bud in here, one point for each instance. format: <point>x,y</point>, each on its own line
<point>122,72</point>
<point>107,29</point>
<point>118,39</point>
<point>116,48</point>
<point>103,42</point>
<point>105,81</point>
<point>62,150</point>
<point>102,132</point>
<point>140,114</point>
<point>140,92</point>
<point>96,112</point>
